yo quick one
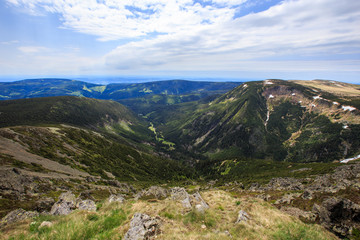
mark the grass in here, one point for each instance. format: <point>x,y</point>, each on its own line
<point>112,221</point>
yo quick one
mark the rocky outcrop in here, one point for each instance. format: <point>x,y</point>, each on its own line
<point>143,227</point>
<point>242,217</point>
<point>287,199</point>
<point>188,201</point>
<point>284,184</point>
<point>65,205</point>
<point>116,198</point>
<point>338,215</point>
<point>16,216</point>
<point>88,205</point>
<point>302,215</point>
<point>122,187</point>
<point>180,194</point>
<point>44,204</point>
<point>154,192</point>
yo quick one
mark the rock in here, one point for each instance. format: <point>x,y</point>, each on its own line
<point>338,215</point>
<point>16,216</point>
<point>122,187</point>
<point>242,217</point>
<point>86,195</point>
<point>143,227</point>
<point>196,199</point>
<point>254,187</point>
<point>44,204</point>
<point>180,194</point>
<point>287,199</point>
<point>264,197</point>
<point>88,205</point>
<point>65,204</point>
<point>90,179</point>
<point>116,198</point>
<point>302,215</point>
<point>307,194</point>
<point>155,192</point>
<point>45,224</point>
<point>203,226</point>
<point>288,184</point>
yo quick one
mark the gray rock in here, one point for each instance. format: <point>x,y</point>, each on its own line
<point>307,194</point>
<point>288,184</point>
<point>65,204</point>
<point>16,216</point>
<point>242,217</point>
<point>44,204</point>
<point>155,192</point>
<point>88,205</point>
<point>122,187</point>
<point>45,224</point>
<point>143,227</point>
<point>264,197</point>
<point>302,215</point>
<point>116,198</point>
<point>287,199</point>
<point>338,215</point>
<point>180,194</point>
<point>198,201</point>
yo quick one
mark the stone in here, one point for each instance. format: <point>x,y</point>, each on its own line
<point>307,194</point>
<point>44,204</point>
<point>88,205</point>
<point>196,199</point>
<point>287,199</point>
<point>45,224</point>
<point>338,215</point>
<point>122,187</point>
<point>65,204</point>
<point>302,215</point>
<point>288,184</point>
<point>143,227</point>
<point>180,194</point>
<point>116,198</point>
<point>242,217</point>
<point>264,197</point>
<point>16,216</point>
<point>155,192</point>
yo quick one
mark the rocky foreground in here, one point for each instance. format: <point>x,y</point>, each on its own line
<point>198,211</point>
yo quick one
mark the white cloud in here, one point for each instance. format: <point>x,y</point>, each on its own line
<point>184,35</point>
<point>32,49</point>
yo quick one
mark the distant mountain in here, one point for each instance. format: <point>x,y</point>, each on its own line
<point>33,88</point>
<point>274,119</point>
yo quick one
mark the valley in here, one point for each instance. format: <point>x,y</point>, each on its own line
<point>191,156</point>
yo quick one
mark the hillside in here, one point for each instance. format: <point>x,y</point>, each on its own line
<point>274,119</point>
<point>33,88</point>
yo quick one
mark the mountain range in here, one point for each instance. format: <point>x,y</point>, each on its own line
<point>170,132</point>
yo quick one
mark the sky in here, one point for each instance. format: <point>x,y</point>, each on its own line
<point>189,39</point>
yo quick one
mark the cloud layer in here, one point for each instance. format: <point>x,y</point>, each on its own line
<point>209,34</point>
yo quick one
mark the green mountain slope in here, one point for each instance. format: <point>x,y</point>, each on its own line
<point>33,88</point>
<point>275,119</point>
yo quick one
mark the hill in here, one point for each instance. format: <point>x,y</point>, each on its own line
<point>274,119</point>
<point>33,88</point>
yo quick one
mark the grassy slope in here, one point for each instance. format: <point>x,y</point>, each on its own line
<point>235,125</point>
<point>112,222</point>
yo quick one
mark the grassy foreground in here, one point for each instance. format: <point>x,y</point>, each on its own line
<point>111,221</point>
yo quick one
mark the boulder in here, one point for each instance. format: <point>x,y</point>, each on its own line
<point>198,201</point>
<point>287,199</point>
<point>242,217</point>
<point>180,194</point>
<point>44,204</point>
<point>116,198</point>
<point>155,192</point>
<point>88,205</point>
<point>307,194</point>
<point>45,224</point>
<point>16,216</point>
<point>288,184</point>
<point>65,204</point>
<point>338,214</point>
<point>302,215</point>
<point>264,197</point>
<point>143,227</point>
<point>122,187</point>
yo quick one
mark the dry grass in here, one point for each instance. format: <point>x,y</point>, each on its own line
<point>336,88</point>
<point>218,222</point>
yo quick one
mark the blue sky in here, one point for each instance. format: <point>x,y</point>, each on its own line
<point>194,39</point>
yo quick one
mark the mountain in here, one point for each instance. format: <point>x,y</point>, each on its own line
<point>275,119</point>
<point>32,88</point>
